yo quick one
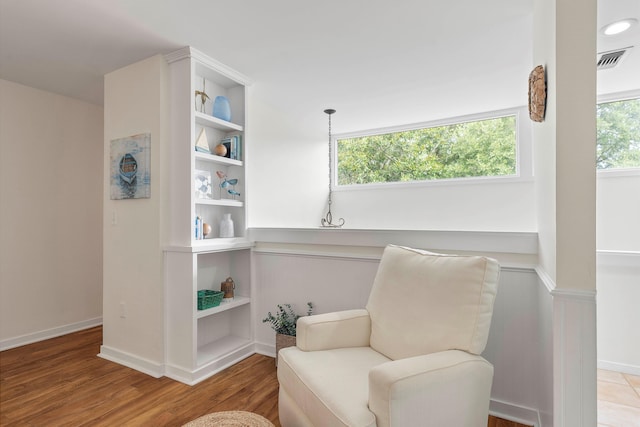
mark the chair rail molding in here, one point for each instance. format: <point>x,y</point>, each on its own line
<point>512,248</point>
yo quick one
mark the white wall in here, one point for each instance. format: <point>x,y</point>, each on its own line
<point>618,210</point>
<point>133,257</point>
<point>50,214</point>
<point>288,178</point>
<point>618,270</point>
<point>618,315</point>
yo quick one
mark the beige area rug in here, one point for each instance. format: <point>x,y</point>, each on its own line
<point>231,419</point>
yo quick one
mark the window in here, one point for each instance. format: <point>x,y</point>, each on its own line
<point>477,148</point>
<point>618,134</point>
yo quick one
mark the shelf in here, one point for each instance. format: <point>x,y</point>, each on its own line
<point>220,348</point>
<point>212,158</point>
<point>214,122</point>
<point>220,202</point>
<point>224,306</point>
<point>213,245</point>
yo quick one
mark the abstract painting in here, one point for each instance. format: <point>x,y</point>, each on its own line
<point>130,167</point>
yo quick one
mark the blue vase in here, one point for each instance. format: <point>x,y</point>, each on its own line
<point>221,108</point>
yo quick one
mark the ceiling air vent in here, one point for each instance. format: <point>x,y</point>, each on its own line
<point>612,58</point>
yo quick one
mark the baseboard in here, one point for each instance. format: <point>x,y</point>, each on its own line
<point>265,349</point>
<point>49,333</point>
<point>511,412</point>
<point>145,366</point>
<point>619,367</point>
<point>188,377</point>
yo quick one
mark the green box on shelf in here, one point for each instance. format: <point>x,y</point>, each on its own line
<point>208,298</point>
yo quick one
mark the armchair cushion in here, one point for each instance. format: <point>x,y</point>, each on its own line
<point>329,387</point>
<point>452,302</point>
<point>445,388</point>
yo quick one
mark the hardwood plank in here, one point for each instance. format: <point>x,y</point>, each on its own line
<point>61,382</point>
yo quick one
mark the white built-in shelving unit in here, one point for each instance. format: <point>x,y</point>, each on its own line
<point>199,343</point>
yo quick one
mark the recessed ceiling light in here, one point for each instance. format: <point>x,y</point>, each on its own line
<point>618,26</point>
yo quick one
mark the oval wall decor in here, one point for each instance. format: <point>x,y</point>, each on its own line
<point>537,94</point>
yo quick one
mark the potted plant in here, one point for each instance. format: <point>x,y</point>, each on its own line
<point>284,323</point>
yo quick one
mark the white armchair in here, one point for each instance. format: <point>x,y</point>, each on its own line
<point>411,358</point>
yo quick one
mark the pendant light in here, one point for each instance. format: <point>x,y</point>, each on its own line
<point>327,221</point>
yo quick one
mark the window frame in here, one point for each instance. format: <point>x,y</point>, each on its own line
<point>616,97</point>
<point>524,155</point>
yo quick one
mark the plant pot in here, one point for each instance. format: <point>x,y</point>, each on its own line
<point>283,341</point>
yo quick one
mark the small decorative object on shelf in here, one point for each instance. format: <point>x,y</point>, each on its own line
<point>201,96</point>
<point>230,183</point>
<point>206,229</point>
<point>233,144</point>
<point>327,221</point>
<point>221,176</point>
<point>199,235</point>
<point>220,150</point>
<point>202,145</point>
<point>284,323</point>
<point>228,286</point>
<point>222,108</point>
<point>208,298</point>
<point>226,226</point>
<point>202,182</point>
<point>226,183</point>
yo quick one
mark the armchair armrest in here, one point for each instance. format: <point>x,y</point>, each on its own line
<point>349,328</point>
<point>448,388</point>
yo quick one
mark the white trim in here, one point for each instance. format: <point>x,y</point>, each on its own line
<point>435,123</point>
<point>132,361</point>
<point>266,349</point>
<point>617,173</point>
<point>524,155</point>
<point>574,358</point>
<point>575,294</point>
<point>190,52</point>
<point>476,180</point>
<point>208,370</point>
<point>546,280</point>
<point>628,259</point>
<point>618,96</point>
<point>355,255</point>
<point>519,414</point>
<point>306,253</point>
<point>49,333</point>
<point>619,367</point>
<point>473,241</point>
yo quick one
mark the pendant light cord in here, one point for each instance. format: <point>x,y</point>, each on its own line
<point>327,221</point>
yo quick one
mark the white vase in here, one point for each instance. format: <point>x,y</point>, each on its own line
<point>226,226</point>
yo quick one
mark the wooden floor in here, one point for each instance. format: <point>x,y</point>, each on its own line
<point>61,382</point>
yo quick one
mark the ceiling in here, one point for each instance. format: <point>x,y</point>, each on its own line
<point>379,63</point>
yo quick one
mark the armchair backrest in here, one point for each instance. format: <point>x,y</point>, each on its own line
<point>422,302</point>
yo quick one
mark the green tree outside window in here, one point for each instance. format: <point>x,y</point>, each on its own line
<point>462,150</point>
<point>618,134</point>
<point>484,148</point>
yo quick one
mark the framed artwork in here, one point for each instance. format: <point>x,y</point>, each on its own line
<point>130,163</point>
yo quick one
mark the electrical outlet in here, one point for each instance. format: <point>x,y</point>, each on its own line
<point>123,310</point>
